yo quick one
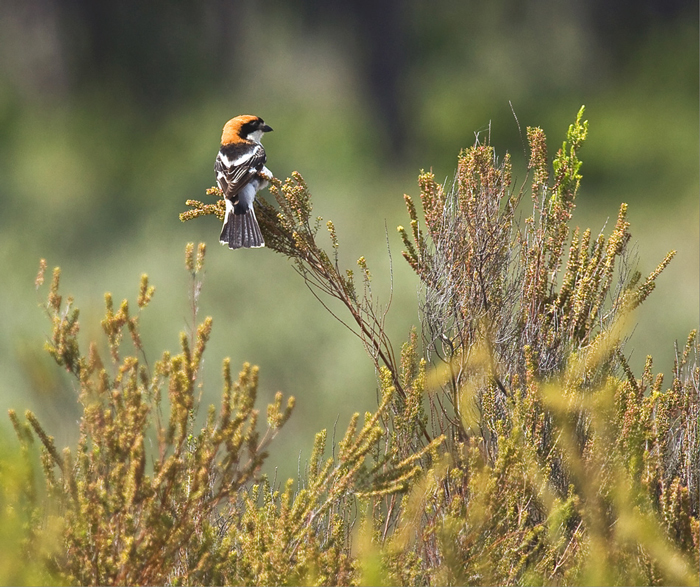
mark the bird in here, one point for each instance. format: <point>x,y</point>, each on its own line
<point>241,174</point>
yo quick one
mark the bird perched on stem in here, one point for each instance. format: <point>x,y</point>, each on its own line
<point>241,174</point>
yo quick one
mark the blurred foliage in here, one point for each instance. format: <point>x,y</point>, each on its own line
<point>110,116</point>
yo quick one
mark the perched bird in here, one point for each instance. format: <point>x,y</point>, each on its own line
<point>240,174</point>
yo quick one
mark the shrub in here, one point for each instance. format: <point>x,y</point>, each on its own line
<point>512,443</point>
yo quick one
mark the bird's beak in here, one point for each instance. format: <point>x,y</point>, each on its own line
<point>266,128</point>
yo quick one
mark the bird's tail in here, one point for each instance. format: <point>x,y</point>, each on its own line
<point>241,230</point>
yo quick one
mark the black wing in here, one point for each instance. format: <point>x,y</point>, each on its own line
<point>236,165</point>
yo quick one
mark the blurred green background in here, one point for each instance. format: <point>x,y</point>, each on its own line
<point>111,113</point>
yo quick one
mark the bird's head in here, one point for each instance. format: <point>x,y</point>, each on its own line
<point>244,128</point>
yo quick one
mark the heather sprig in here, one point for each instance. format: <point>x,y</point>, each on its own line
<point>140,492</point>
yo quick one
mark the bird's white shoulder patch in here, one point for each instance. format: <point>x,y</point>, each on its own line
<point>238,161</point>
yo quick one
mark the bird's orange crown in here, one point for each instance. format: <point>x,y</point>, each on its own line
<point>238,128</point>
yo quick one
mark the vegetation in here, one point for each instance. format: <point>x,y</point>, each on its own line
<point>512,443</point>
